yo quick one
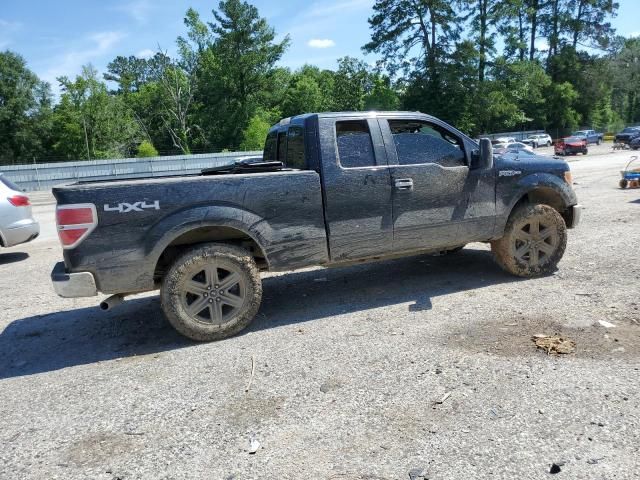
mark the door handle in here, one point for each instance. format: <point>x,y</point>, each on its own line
<point>405,184</point>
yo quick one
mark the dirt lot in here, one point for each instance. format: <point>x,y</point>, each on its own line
<point>420,368</point>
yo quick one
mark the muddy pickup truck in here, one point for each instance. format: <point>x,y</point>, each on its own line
<point>331,189</point>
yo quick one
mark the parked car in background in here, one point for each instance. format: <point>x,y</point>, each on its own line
<point>16,222</point>
<point>538,140</point>
<point>628,134</point>
<point>515,147</point>
<point>591,136</point>
<point>503,140</point>
<point>635,143</point>
<point>571,146</point>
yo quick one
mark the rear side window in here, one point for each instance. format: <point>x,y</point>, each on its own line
<point>295,148</point>
<point>355,147</point>
<point>271,147</point>
<point>282,147</point>
<point>8,183</point>
<point>419,142</point>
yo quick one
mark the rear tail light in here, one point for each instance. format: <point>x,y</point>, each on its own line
<point>19,201</point>
<point>75,223</point>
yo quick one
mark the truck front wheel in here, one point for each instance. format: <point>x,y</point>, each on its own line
<point>211,292</point>
<point>534,241</point>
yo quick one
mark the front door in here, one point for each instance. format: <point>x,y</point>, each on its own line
<point>438,200</point>
<point>357,189</point>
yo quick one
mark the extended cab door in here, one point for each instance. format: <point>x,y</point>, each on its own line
<point>356,188</point>
<point>438,199</point>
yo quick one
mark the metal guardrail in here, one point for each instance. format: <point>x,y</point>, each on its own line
<point>521,135</point>
<point>44,176</point>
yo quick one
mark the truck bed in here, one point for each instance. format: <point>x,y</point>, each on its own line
<point>139,218</point>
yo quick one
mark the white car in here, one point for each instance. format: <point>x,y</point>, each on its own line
<point>538,140</point>
<point>17,225</point>
<point>504,140</point>
<point>514,147</point>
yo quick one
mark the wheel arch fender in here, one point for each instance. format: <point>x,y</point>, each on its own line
<point>542,188</point>
<point>171,228</point>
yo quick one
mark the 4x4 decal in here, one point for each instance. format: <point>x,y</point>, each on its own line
<point>133,207</point>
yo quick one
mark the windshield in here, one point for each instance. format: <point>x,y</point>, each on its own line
<point>580,132</point>
<point>630,130</point>
<point>573,139</point>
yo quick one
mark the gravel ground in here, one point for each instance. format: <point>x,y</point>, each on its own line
<point>420,367</point>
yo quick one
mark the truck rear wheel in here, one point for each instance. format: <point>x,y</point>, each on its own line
<point>211,292</point>
<point>534,241</point>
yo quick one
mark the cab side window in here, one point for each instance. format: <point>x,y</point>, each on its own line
<point>355,147</point>
<point>271,147</point>
<point>418,142</point>
<point>295,148</point>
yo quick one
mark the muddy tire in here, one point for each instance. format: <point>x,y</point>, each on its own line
<point>534,241</point>
<point>211,292</point>
<point>623,183</point>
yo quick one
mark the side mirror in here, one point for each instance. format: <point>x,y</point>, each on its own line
<point>485,159</point>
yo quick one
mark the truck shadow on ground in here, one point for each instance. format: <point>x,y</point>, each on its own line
<point>86,335</point>
<point>305,296</point>
<point>14,257</point>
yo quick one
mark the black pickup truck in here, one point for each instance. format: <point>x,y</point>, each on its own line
<point>331,189</point>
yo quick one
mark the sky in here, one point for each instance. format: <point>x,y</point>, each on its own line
<point>58,37</point>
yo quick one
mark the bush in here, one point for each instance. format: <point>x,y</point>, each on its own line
<point>146,149</point>
<point>256,132</point>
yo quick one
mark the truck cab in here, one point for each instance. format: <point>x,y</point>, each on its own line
<point>391,182</point>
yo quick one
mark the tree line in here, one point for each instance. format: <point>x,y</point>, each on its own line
<point>481,65</point>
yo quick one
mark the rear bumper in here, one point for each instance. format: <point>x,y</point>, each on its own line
<point>573,215</point>
<point>73,285</point>
<point>21,232</point>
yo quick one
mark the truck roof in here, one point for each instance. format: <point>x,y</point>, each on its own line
<point>371,113</point>
<point>300,119</point>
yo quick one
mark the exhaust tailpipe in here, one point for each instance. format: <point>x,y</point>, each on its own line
<point>111,302</point>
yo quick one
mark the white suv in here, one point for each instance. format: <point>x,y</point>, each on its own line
<point>16,222</point>
<point>539,140</point>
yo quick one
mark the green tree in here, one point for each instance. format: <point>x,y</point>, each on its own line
<point>236,56</point>
<point>89,123</point>
<point>514,28</point>
<point>625,65</point>
<point>484,16</point>
<point>256,132</point>
<point>303,95</point>
<point>131,73</point>
<point>352,81</point>
<point>25,111</point>
<point>409,34</point>
<point>586,22</point>
<point>561,99</point>
<point>383,96</point>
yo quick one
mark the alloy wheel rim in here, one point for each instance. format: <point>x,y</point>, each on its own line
<point>535,242</point>
<point>213,293</point>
